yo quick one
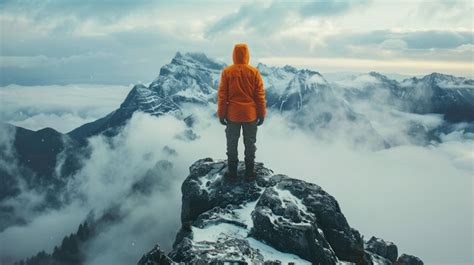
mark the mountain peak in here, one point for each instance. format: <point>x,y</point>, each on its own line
<point>178,55</point>
<point>436,77</point>
<point>439,80</point>
<point>197,58</point>
<point>376,74</point>
<point>440,75</point>
<point>290,68</point>
<point>433,78</point>
<point>266,70</point>
<point>273,219</point>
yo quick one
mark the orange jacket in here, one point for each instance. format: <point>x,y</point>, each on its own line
<point>241,96</point>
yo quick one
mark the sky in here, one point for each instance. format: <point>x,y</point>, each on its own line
<point>123,42</point>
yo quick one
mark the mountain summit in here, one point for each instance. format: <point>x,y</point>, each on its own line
<point>274,220</point>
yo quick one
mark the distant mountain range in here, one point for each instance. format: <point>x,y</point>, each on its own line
<point>194,78</point>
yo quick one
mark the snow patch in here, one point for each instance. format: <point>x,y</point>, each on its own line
<point>213,232</point>
<point>288,198</point>
<point>270,253</point>
<point>245,213</point>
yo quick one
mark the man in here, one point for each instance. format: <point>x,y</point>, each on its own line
<point>241,104</point>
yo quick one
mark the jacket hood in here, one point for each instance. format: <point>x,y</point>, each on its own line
<point>241,54</point>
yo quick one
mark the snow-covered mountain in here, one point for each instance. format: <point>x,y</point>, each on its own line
<point>451,96</point>
<point>302,95</point>
<point>289,88</point>
<point>192,77</point>
<point>440,93</point>
<point>275,220</point>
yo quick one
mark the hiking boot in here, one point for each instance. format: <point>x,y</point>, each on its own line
<point>250,171</point>
<point>187,227</point>
<point>231,173</point>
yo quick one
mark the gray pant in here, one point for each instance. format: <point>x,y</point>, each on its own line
<point>232,133</point>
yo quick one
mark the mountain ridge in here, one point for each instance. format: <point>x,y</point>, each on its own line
<point>194,77</point>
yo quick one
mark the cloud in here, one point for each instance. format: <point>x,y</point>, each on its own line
<point>445,11</point>
<point>405,67</point>
<point>43,232</point>
<point>393,44</point>
<point>103,9</point>
<point>415,39</point>
<point>62,122</point>
<point>437,39</point>
<point>330,8</point>
<point>60,107</point>
<point>398,175</point>
<point>265,18</point>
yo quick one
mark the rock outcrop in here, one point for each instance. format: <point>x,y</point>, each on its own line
<point>273,220</point>
<point>156,256</point>
<point>382,248</point>
<point>405,259</point>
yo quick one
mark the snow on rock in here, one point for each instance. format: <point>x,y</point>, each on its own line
<point>190,77</point>
<point>301,217</point>
<point>155,257</point>
<point>141,98</point>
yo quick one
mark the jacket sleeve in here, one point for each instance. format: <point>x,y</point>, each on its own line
<point>222,95</point>
<point>260,96</point>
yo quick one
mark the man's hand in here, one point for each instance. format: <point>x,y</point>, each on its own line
<point>223,121</point>
<point>260,121</point>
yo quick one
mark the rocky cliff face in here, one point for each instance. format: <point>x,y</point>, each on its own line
<point>273,220</point>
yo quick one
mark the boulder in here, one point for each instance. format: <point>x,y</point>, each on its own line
<point>382,248</point>
<point>155,257</point>
<point>406,259</point>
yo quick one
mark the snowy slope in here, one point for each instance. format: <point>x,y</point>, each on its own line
<point>190,77</point>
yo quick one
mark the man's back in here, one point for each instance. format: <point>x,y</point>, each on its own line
<point>241,96</point>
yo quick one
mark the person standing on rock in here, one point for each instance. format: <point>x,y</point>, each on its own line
<point>241,104</point>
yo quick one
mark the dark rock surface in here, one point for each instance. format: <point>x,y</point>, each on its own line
<point>406,259</point>
<point>382,248</point>
<point>156,256</point>
<point>301,218</point>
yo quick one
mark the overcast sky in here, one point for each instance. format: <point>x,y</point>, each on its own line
<point>123,42</point>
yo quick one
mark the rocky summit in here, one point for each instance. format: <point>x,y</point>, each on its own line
<point>272,220</point>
